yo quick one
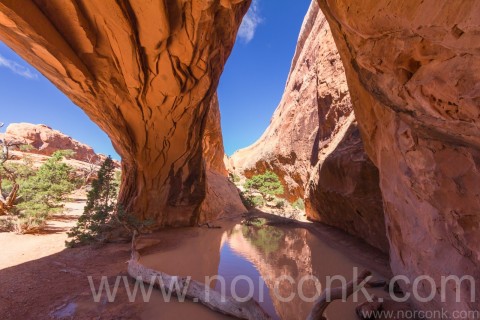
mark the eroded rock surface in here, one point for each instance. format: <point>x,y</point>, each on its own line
<point>145,72</point>
<point>222,197</point>
<point>343,191</point>
<point>413,69</point>
<point>311,137</point>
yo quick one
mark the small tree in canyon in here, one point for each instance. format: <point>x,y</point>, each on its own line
<point>102,218</point>
<point>267,184</point>
<point>43,191</point>
<point>101,204</point>
<point>28,196</point>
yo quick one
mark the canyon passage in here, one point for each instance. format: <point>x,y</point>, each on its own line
<point>376,134</point>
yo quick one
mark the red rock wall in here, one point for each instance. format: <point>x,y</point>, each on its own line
<point>313,144</point>
<point>413,69</point>
<point>145,72</point>
<point>222,196</point>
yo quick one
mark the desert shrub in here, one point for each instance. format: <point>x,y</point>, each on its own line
<point>101,214</point>
<point>247,200</point>
<point>299,204</point>
<point>279,203</point>
<point>118,178</point>
<point>101,203</point>
<point>234,177</point>
<point>251,201</point>
<point>8,223</point>
<point>41,192</point>
<point>258,201</point>
<point>267,184</point>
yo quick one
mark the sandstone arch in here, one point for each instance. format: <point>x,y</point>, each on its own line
<point>412,68</point>
<point>145,72</point>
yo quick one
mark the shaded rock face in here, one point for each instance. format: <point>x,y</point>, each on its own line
<point>145,72</point>
<point>46,141</point>
<point>413,70</point>
<point>222,197</point>
<point>343,192</point>
<point>310,137</point>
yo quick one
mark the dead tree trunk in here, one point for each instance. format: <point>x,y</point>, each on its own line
<point>331,294</point>
<point>7,203</point>
<point>194,290</point>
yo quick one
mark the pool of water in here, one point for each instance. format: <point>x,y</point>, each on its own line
<point>277,265</point>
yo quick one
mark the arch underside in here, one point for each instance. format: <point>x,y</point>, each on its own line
<point>146,73</point>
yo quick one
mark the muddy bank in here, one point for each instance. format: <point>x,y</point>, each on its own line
<point>53,283</point>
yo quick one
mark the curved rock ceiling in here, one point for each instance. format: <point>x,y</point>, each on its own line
<point>145,72</point>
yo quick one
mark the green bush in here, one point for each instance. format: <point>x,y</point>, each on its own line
<point>234,178</point>
<point>258,201</point>
<point>251,201</point>
<point>101,214</point>
<point>299,204</point>
<point>42,192</point>
<point>279,203</point>
<point>267,184</point>
<point>101,203</point>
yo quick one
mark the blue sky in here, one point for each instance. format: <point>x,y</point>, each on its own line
<point>250,88</point>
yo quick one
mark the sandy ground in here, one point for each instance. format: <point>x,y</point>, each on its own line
<point>20,248</point>
<point>38,275</point>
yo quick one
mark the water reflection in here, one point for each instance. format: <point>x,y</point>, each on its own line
<point>272,253</point>
<point>261,253</point>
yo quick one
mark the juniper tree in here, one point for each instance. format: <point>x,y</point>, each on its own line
<point>101,204</point>
<point>267,183</point>
<point>43,191</point>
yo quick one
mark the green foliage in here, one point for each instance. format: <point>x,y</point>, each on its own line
<point>22,170</point>
<point>118,178</point>
<point>101,215</point>
<point>299,204</point>
<point>279,203</point>
<point>257,201</point>
<point>266,238</point>
<point>101,203</point>
<point>246,200</point>
<point>251,201</point>
<point>267,184</point>
<point>234,177</point>
<point>49,185</point>
<point>42,192</point>
<point>25,147</point>
<point>67,153</point>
